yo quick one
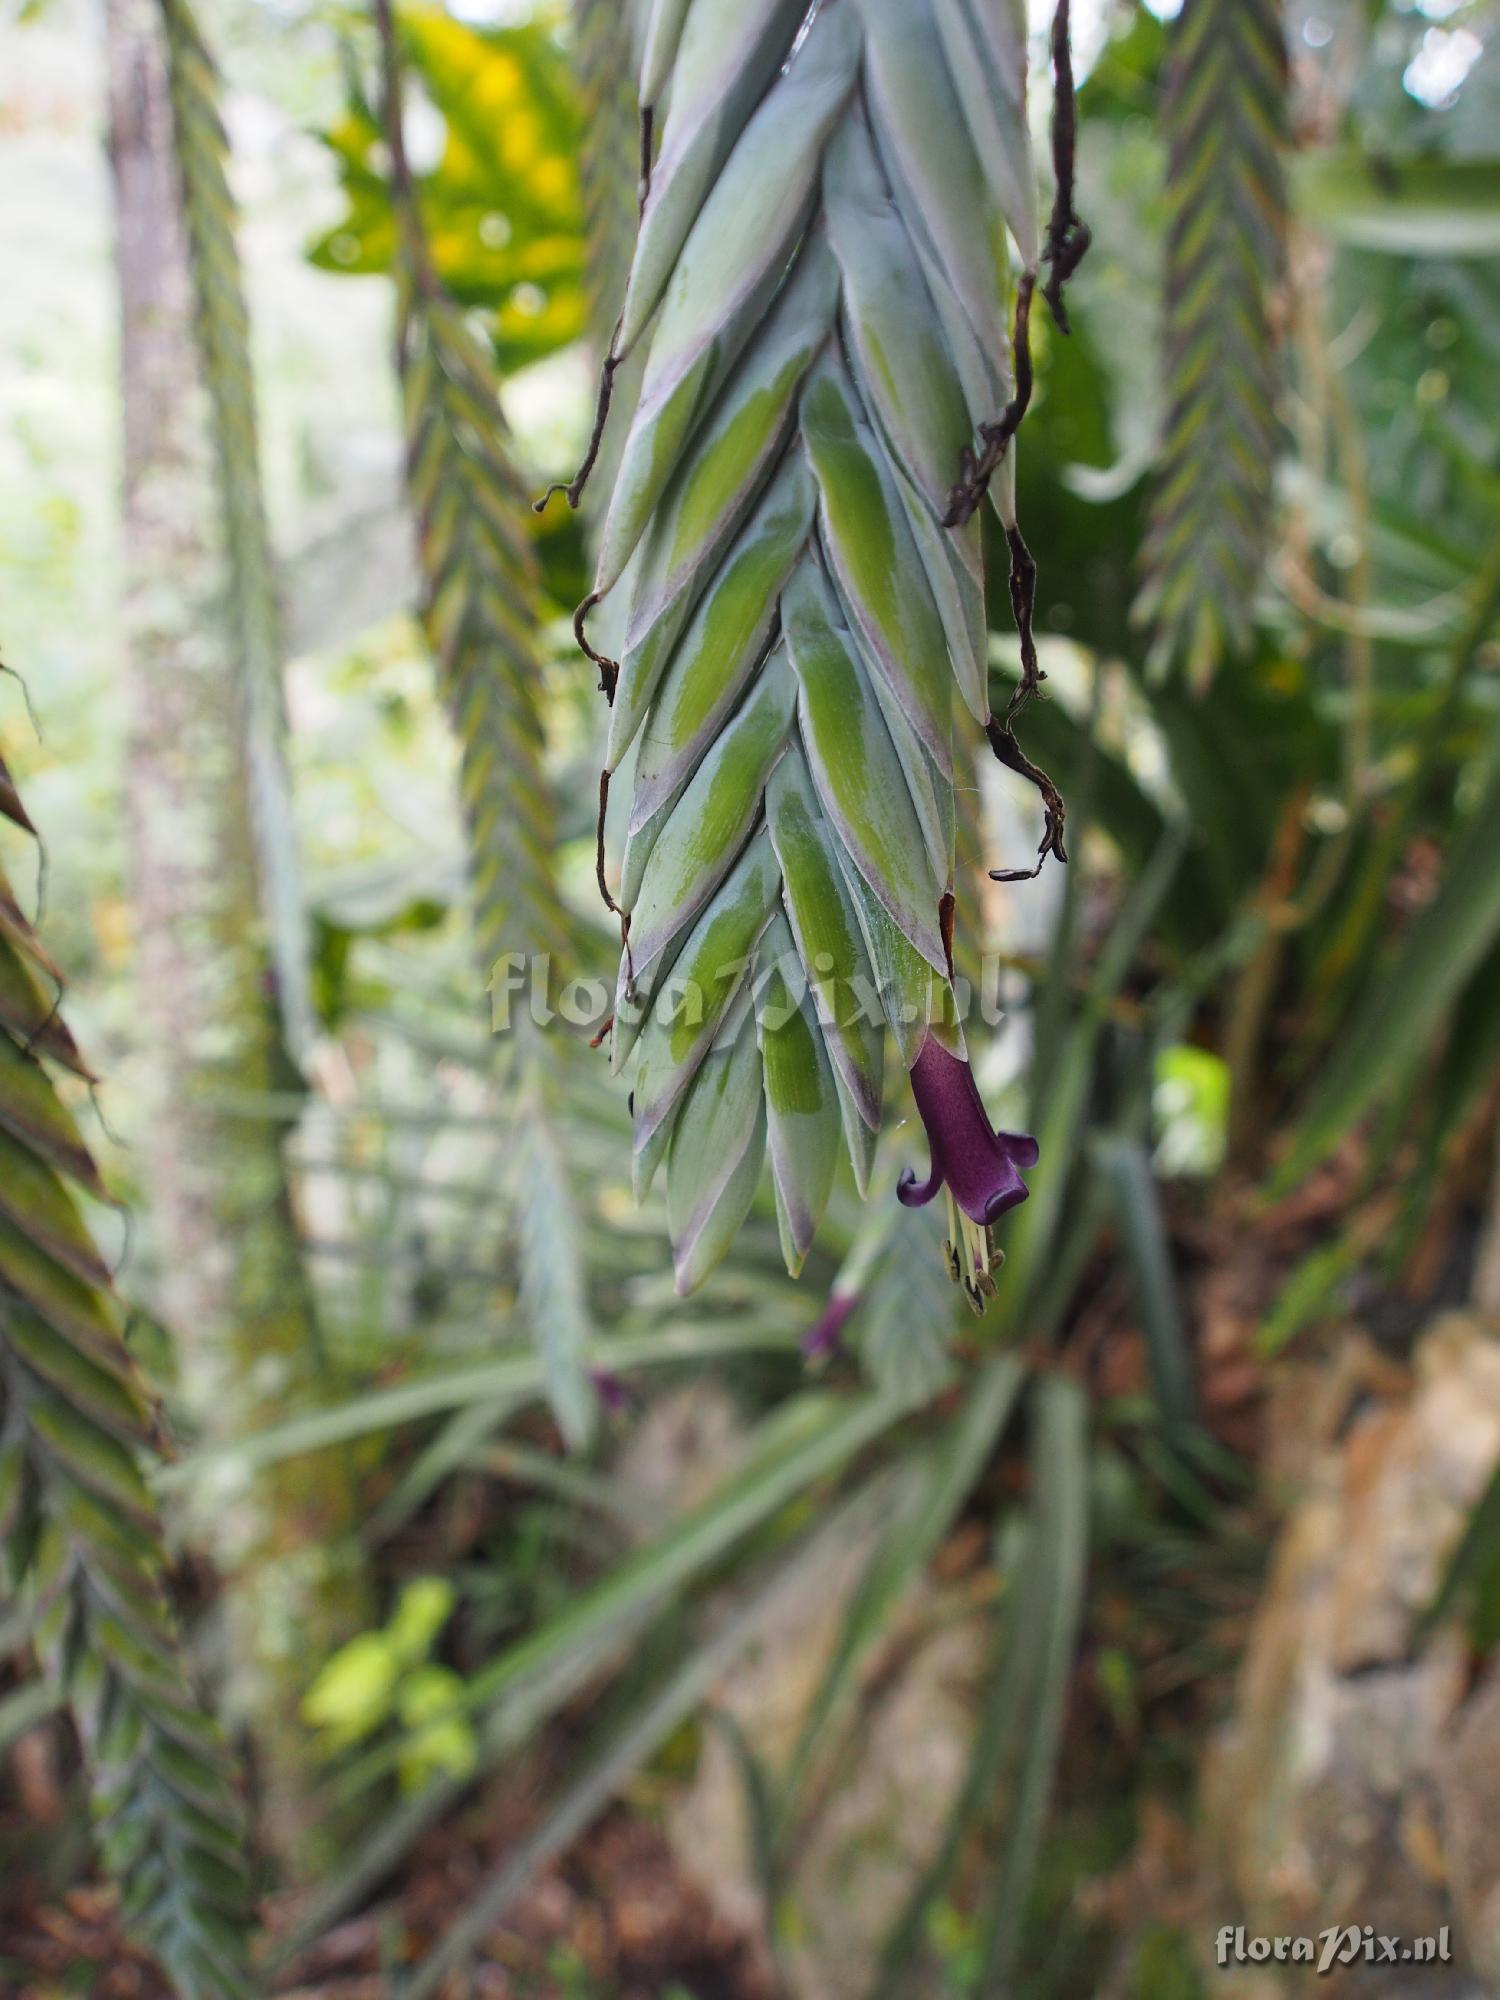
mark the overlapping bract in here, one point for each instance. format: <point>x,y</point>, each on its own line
<point>79,1534</point>
<point>1225,114</point>
<point>481,608</point>
<point>822,288</point>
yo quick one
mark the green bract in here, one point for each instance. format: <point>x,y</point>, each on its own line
<point>821,302</point>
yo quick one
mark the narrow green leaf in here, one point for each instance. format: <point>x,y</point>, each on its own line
<point>23,1708</point>
<point>1015,1752</point>
<point>31,1110</point>
<point>1405,1005</point>
<point>1438,207</point>
<point>1148,1255</point>
<point>948,1471</point>
<point>651,1723</point>
<point>1041,1636</point>
<point>1475,1561</point>
<point>98,1383</point>
<point>38,1203</point>
<point>29,1011</point>
<point>79,1310</point>
<point>809,1440</point>
<point>515,1379</point>
<point>553,1292</point>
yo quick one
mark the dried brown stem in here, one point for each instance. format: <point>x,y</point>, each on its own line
<point>404,199</point>
<point>977,470</point>
<point>601,877</point>
<point>599,863</point>
<point>1001,729</point>
<point>574,487</point>
<point>609,670</point>
<point>1068,236</point>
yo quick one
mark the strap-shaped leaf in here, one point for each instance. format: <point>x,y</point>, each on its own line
<point>29,984</point>
<point>30,1112</point>
<point>35,1201</point>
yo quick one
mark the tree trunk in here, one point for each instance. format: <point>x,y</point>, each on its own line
<point>230,1283</point>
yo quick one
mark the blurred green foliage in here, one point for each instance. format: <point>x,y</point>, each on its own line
<point>494,133</point>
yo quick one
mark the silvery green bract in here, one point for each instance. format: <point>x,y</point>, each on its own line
<point>840,203</point>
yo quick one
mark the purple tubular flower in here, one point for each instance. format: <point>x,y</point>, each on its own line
<point>616,1397</point>
<point>980,1167</point>
<point>825,1339</point>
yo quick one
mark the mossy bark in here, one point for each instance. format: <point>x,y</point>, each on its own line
<point>230,1281</point>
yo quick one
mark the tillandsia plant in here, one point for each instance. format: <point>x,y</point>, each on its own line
<point>80,1542</point>
<point>1226,120</point>
<point>836,359</point>
<point>481,607</point>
